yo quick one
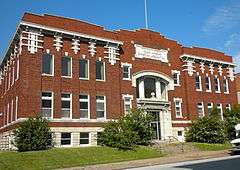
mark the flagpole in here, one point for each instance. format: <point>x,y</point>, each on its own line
<point>146,19</point>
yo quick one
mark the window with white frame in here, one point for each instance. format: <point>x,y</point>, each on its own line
<point>47,64</point>
<point>209,107</point>
<point>84,106</point>
<point>208,83</point>
<point>126,70</point>
<point>228,107</point>
<point>66,107</point>
<point>216,84</point>
<point>176,77</point>
<point>17,69</point>
<point>83,69</point>
<point>225,86</point>
<point>66,66</point>
<point>100,70</point>
<point>12,111</point>
<point>66,138</point>
<point>13,73</point>
<point>127,102</point>
<point>178,107</point>
<point>84,138</point>
<point>200,109</point>
<point>220,110</point>
<point>101,107</point>
<point>198,83</point>
<point>16,108</point>
<point>47,104</point>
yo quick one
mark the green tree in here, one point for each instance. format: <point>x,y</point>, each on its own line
<point>32,134</point>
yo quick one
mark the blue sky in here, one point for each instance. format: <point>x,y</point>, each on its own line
<point>213,24</point>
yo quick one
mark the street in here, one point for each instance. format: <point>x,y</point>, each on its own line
<point>224,163</point>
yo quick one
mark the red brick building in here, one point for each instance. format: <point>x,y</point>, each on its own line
<point>81,76</point>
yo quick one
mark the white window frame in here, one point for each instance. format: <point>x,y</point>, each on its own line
<point>124,97</point>
<point>105,111</point>
<point>12,110</point>
<point>178,77</point>
<point>219,106</point>
<point>70,67</point>
<point>44,74</point>
<point>89,139</point>
<point>16,108</point>
<point>180,107</point>
<point>129,66</point>
<point>13,73</point>
<point>202,108</point>
<point>218,84</point>
<point>71,140</point>
<point>9,77</point>
<point>48,98</point>
<point>17,76</point>
<point>209,83</point>
<point>8,110</point>
<point>104,71</point>
<point>200,82</point>
<point>81,78</point>
<point>67,99</point>
<point>85,100</point>
<point>228,106</point>
<point>210,107</point>
<point>227,86</point>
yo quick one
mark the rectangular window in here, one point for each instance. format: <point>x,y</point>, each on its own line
<point>225,85</point>
<point>208,83</point>
<point>47,104</point>
<point>100,107</point>
<point>100,70</point>
<point>220,110</point>
<point>198,84</point>
<point>65,138</point>
<point>178,107</point>
<point>84,138</point>
<point>16,108</point>
<point>200,109</point>
<point>210,107</point>
<point>126,72</point>
<point>66,105</point>
<point>47,64</point>
<point>127,103</point>
<point>217,85</point>
<point>228,107</point>
<point>83,69</point>
<point>84,106</point>
<point>176,77</point>
<point>66,65</point>
<point>12,111</point>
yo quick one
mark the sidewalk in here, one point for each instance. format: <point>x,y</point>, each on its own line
<point>155,161</point>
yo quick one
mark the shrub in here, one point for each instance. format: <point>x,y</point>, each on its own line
<point>32,134</point>
<point>131,130</point>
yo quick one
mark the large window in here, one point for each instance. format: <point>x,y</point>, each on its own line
<point>176,77</point>
<point>84,138</point>
<point>150,87</point>
<point>66,105</point>
<point>216,84</point>
<point>47,104</point>
<point>100,70</point>
<point>83,69</point>
<point>84,106</point>
<point>65,138</point>
<point>100,107</point>
<point>178,107</point>
<point>225,85</point>
<point>198,84</point>
<point>208,83</point>
<point>200,109</point>
<point>47,64</point>
<point>66,65</point>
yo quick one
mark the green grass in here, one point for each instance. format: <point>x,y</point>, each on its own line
<point>70,157</point>
<point>212,147</point>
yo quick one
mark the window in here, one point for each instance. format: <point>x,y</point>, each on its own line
<point>200,109</point>
<point>84,138</point>
<point>126,70</point>
<point>220,110</point>
<point>16,108</point>
<point>176,77</point>
<point>180,133</point>
<point>66,65</point>
<point>66,105</point>
<point>47,64</point>
<point>208,83</point>
<point>100,70</point>
<point>216,85</point>
<point>47,104</point>
<point>149,87</point>
<point>228,107</point>
<point>84,106</point>
<point>100,107</point>
<point>65,138</point>
<point>127,102</point>
<point>198,84</point>
<point>83,69</point>
<point>210,107</point>
<point>12,111</point>
<point>225,85</point>
<point>178,107</point>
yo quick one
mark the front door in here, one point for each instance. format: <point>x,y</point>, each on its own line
<point>155,124</point>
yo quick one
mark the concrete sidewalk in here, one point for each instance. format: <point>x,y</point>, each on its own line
<point>155,161</point>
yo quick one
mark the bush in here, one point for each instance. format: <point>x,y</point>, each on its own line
<point>32,134</point>
<point>208,129</point>
<point>131,130</point>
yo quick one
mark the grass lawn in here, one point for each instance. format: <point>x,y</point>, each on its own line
<point>212,147</point>
<point>70,157</point>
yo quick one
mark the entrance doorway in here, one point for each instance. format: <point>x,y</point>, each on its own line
<point>155,124</point>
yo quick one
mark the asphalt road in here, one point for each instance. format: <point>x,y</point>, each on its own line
<point>224,163</point>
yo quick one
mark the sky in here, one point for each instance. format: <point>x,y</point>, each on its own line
<point>213,24</point>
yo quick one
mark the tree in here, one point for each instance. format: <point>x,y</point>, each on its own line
<point>131,130</point>
<point>32,134</point>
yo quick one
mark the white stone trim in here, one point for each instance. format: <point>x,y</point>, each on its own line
<point>181,121</point>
